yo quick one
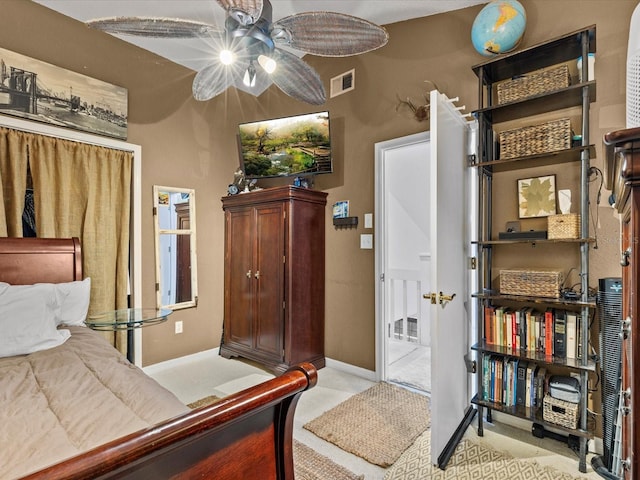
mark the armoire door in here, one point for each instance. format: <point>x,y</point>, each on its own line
<point>239,278</point>
<point>269,280</point>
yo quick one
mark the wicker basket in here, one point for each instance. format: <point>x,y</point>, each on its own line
<point>535,139</point>
<point>560,412</point>
<point>534,83</point>
<point>563,226</point>
<point>532,283</point>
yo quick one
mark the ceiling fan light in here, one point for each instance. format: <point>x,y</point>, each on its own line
<point>250,76</point>
<point>227,57</point>
<point>267,63</point>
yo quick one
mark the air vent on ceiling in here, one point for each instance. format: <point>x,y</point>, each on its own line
<point>343,83</point>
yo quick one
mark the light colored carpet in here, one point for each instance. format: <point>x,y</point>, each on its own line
<point>377,424</point>
<point>470,461</point>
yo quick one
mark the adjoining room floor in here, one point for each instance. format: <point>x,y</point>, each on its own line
<point>206,373</point>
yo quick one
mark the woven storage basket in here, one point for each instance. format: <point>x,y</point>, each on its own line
<point>560,412</point>
<point>535,139</point>
<point>534,83</point>
<point>563,226</point>
<point>532,283</point>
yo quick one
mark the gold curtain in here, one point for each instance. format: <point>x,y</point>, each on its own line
<point>14,154</point>
<point>84,191</point>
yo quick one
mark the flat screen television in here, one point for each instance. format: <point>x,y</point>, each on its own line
<point>299,145</point>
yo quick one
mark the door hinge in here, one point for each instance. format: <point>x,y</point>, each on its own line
<point>471,364</point>
<point>284,305</point>
<point>382,277</point>
<point>157,287</point>
<point>471,159</point>
<point>473,263</point>
<point>155,211</point>
<point>284,259</point>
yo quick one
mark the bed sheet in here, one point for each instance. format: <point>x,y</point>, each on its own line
<point>60,402</point>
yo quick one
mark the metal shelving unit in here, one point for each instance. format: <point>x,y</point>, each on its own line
<point>576,96</point>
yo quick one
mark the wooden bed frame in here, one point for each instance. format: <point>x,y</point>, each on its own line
<point>243,436</point>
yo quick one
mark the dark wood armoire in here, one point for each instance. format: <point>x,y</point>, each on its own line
<point>622,177</point>
<point>274,279</point>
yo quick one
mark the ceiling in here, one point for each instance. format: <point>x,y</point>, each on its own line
<point>193,53</point>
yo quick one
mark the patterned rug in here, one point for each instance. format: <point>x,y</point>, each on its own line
<point>377,424</point>
<point>470,461</point>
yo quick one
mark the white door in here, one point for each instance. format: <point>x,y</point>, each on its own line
<point>450,239</point>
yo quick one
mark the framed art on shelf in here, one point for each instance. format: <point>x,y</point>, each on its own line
<point>537,196</point>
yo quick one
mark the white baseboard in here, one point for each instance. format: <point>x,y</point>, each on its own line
<point>352,369</point>
<point>176,362</point>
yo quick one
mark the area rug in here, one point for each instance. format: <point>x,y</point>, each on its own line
<point>307,463</point>
<point>377,424</point>
<point>203,401</point>
<point>470,461</point>
<point>310,465</point>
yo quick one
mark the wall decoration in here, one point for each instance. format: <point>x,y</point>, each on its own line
<point>537,196</point>
<point>341,209</point>
<point>42,92</point>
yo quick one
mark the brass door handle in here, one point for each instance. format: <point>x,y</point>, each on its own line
<point>257,275</point>
<point>430,296</point>
<point>248,274</point>
<point>440,298</point>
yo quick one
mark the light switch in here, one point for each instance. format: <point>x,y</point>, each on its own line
<point>368,220</point>
<point>366,241</point>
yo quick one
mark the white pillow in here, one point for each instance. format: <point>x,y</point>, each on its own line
<point>28,319</point>
<point>73,298</point>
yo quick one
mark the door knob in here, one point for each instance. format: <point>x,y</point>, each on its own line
<point>248,274</point>
<point>430,296</point>
<point>440,298</point>
<point>257,275</point>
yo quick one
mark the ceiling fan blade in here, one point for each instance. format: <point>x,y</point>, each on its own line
<point>212,80</point>
<point>297,79</point>
<point>253,8</point>
<point>329,34</point>
<point>154,27</point>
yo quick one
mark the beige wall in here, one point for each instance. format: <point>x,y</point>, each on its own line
<point>192,144</point>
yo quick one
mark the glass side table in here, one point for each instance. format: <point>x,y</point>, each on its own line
<point>127,319</point>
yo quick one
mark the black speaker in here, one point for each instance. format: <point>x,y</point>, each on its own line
<point>609,303</point>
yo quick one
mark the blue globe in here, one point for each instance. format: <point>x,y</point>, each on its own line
<point>499,27</point>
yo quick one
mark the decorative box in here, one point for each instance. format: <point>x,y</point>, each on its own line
<point>532,283</point>
<point>565,225</point>
<point>535,139</point>
<point>560,412</point>
<point>532,84</point>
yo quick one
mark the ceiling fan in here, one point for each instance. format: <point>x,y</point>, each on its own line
<point>253,50</point>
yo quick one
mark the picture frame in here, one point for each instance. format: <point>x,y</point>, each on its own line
<point>41,92</point>
<point>341,209</point>
<point>537,196</point>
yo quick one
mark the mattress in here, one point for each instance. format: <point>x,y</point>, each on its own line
<point>60,402</point>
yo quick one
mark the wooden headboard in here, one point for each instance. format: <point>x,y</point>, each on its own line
<point>24,261</point>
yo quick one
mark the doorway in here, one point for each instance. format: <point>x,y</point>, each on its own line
<point>403,261</point>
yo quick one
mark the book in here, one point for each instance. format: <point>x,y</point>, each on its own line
<point>548,340</point>
<point>521,382</point>
<point>560,334</point>
<point>489,324</point>
<point>572,333</point>
<point>528,379</point>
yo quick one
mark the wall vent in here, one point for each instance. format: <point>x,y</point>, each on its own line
<point>343,83</point>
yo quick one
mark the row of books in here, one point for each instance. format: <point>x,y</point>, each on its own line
<point>553,332</point>
<point>513,382</point>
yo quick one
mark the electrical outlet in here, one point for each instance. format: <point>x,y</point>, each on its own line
<point>179,326</point>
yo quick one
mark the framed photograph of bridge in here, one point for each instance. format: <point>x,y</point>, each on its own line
<point>42,92</point>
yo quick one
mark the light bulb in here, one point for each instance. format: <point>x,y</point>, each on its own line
<point>250,76</point>
<point>227,57</point>
<point>267,63</point>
